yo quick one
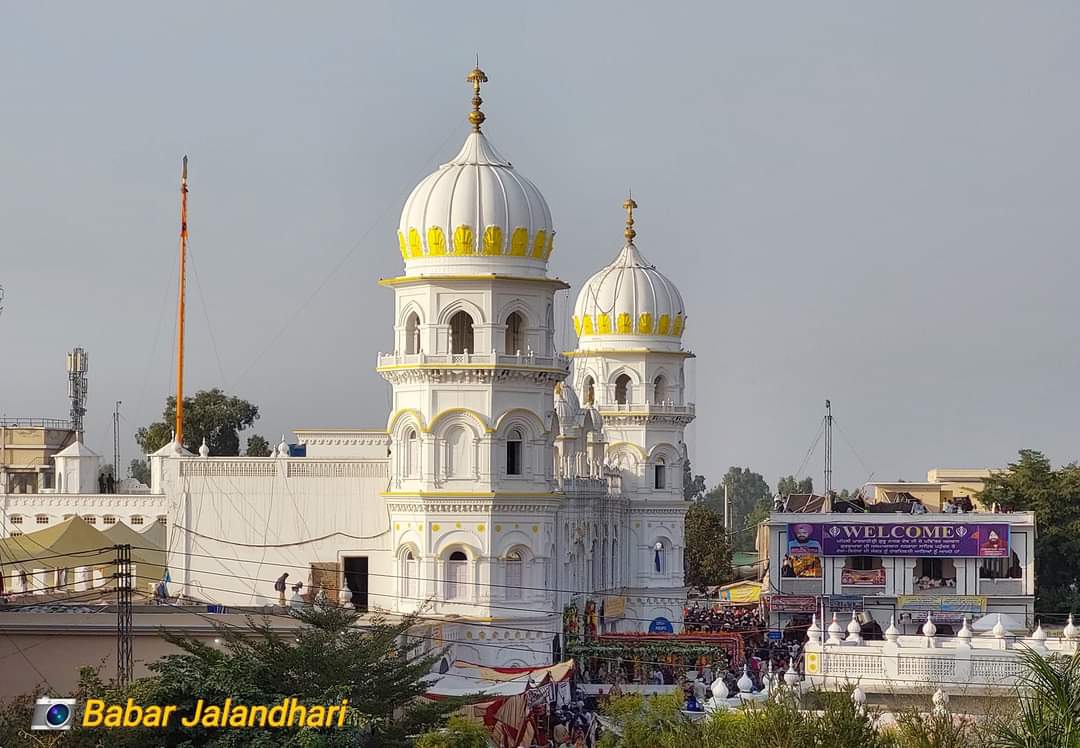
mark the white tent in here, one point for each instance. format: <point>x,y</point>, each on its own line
<point>988,621</point>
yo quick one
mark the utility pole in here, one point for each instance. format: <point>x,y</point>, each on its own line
<point>116,441</point>
<point>124,642</point>
<point>828,448</point>
<point>727,512</point>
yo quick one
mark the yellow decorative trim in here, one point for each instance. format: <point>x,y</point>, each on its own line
<point>435,527</point>
<point>480,527</point>
<point>392,421</point>
<point>535,529</point>
<point>539,244</point>
<point>397,526</point>
<point>519,242</point>
<point>645,326</point>
<point>415,247</point>
<point>624,323</point>
<point>493,240</point>
<point>406,280</point>
<point>663,325</point>
<point>594,352</point>
<point>531,414</point>
<point>404,247</point>
<point>577,326</point>
<point>586,325</point>
<point>436,242</point>
<point>464,240</point>
<point>634,447</point>
<point>677,329</point>
<point>457,525</point>
<point>603,323</point>
<point>498,528</point>
<point>475,494</point>
<point>450,411</point>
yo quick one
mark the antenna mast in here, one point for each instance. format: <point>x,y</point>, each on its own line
<point>828,448</point>
<point>180,309</point>
<point>77,388</point>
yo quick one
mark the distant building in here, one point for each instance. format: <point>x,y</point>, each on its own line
<point>27,446</point>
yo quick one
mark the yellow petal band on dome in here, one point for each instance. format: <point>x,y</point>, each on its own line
<point>603,324</point>
<point>586,325</point>
<point>436,242</point>
<point>539,244</point>
<point>624,323</point>
<point>678,328</point>
<point>577,329</point>
<point>663,325</point>
<point>519,241</point>
<point>493,240</point>
<point>464,240</point>
<point>644,325</point>
<point>415,248</point>
<point>550,246</point>
<point>404,248</point>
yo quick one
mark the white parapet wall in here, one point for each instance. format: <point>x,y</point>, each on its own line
<point>966,664</point>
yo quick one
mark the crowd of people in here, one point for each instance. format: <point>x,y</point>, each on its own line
<point>710,619</point>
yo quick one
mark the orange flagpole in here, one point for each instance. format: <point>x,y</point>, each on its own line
<point>180,309</point>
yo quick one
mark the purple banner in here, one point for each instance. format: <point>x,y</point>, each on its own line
<point>922,539</point>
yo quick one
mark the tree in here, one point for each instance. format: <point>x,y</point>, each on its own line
<point>330,658</point>
<point>693,486</point>
<point>708,555</point>
<point>789,485</point>
<point>257,446</point>
<point>210,415</point>
<point>1031,484</point>
<point>140,471</point>
<point>747,491</point>
<point>458,733</point>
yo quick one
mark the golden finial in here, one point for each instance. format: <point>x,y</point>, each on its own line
<point>476,76</point>
<point>630,205</point>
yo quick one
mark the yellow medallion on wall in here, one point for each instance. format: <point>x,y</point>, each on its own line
<point>604,324</point>
<point>404,248</point>
<point>464,240</point>
<point>587,325</point>
<point>519,241</point>
<point>415,247</point>
<point>493,240</point>
<point>644,325</point>
<point>663,325</point>
<point>539,245</point>
<point>624,324</point>
<point>436,242</point>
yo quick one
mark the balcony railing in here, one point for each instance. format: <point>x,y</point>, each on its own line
<point>557,361</point>
<point>648,408</point>
<point>46,423</point>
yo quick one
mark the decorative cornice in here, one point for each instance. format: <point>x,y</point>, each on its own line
<point>595,352</point>
<point>412,280</point>
<point>471,374</point>
<point>81,500</point>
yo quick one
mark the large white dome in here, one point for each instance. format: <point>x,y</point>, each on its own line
<point>475,214</point>
<point>629,303</point>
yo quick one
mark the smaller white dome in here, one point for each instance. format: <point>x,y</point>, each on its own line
<point>719,689</point>
<point>745,683</point>
<point>567,407</point>
<point>929,629</point>
<point>1070,629</point>
<point>204,451</point>
<point>892,633</point>
<point>629,302</point>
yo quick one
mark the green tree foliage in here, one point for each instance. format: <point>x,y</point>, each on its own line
<point>329,658</point>
<point>1049,715</point>
<point>708,555</point>
<point>458,733</point>
<point>747,492</point>
<point>789,484</point>
<point>257,446</point>
<point>1031,484</point>
<point>140,471</point>
<point>210,414</point>
<point>693,485</point>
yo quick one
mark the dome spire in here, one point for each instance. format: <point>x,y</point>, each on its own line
<point>629,205</point>
<point>476,76</point>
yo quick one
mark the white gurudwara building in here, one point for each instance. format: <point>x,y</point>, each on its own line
<point>505,484</point>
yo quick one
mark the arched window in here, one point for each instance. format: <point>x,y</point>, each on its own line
<point>660,557</point>
<point>660,390</point>
<point>459,450</point>
<point>136,519</point>
<point>590,390</point>
<point>412,333</point>
<point>410,577</point>
<point>461,333</point>
<point>457,576</point>
<point>515,333</point>
<point>622,389</point>
<point>615,562</point>
<point>515,565</point>
<point>660,474</point>
<point>412,454</point>
<point>513,452</point>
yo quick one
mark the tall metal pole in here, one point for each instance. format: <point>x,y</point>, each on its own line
<point>124,643</point>
<point>727,512</point>
<point>828,448</point>
<point>180,308</point>
<point>116,441</point>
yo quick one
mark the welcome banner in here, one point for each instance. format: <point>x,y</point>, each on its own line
<point>922,539</point>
